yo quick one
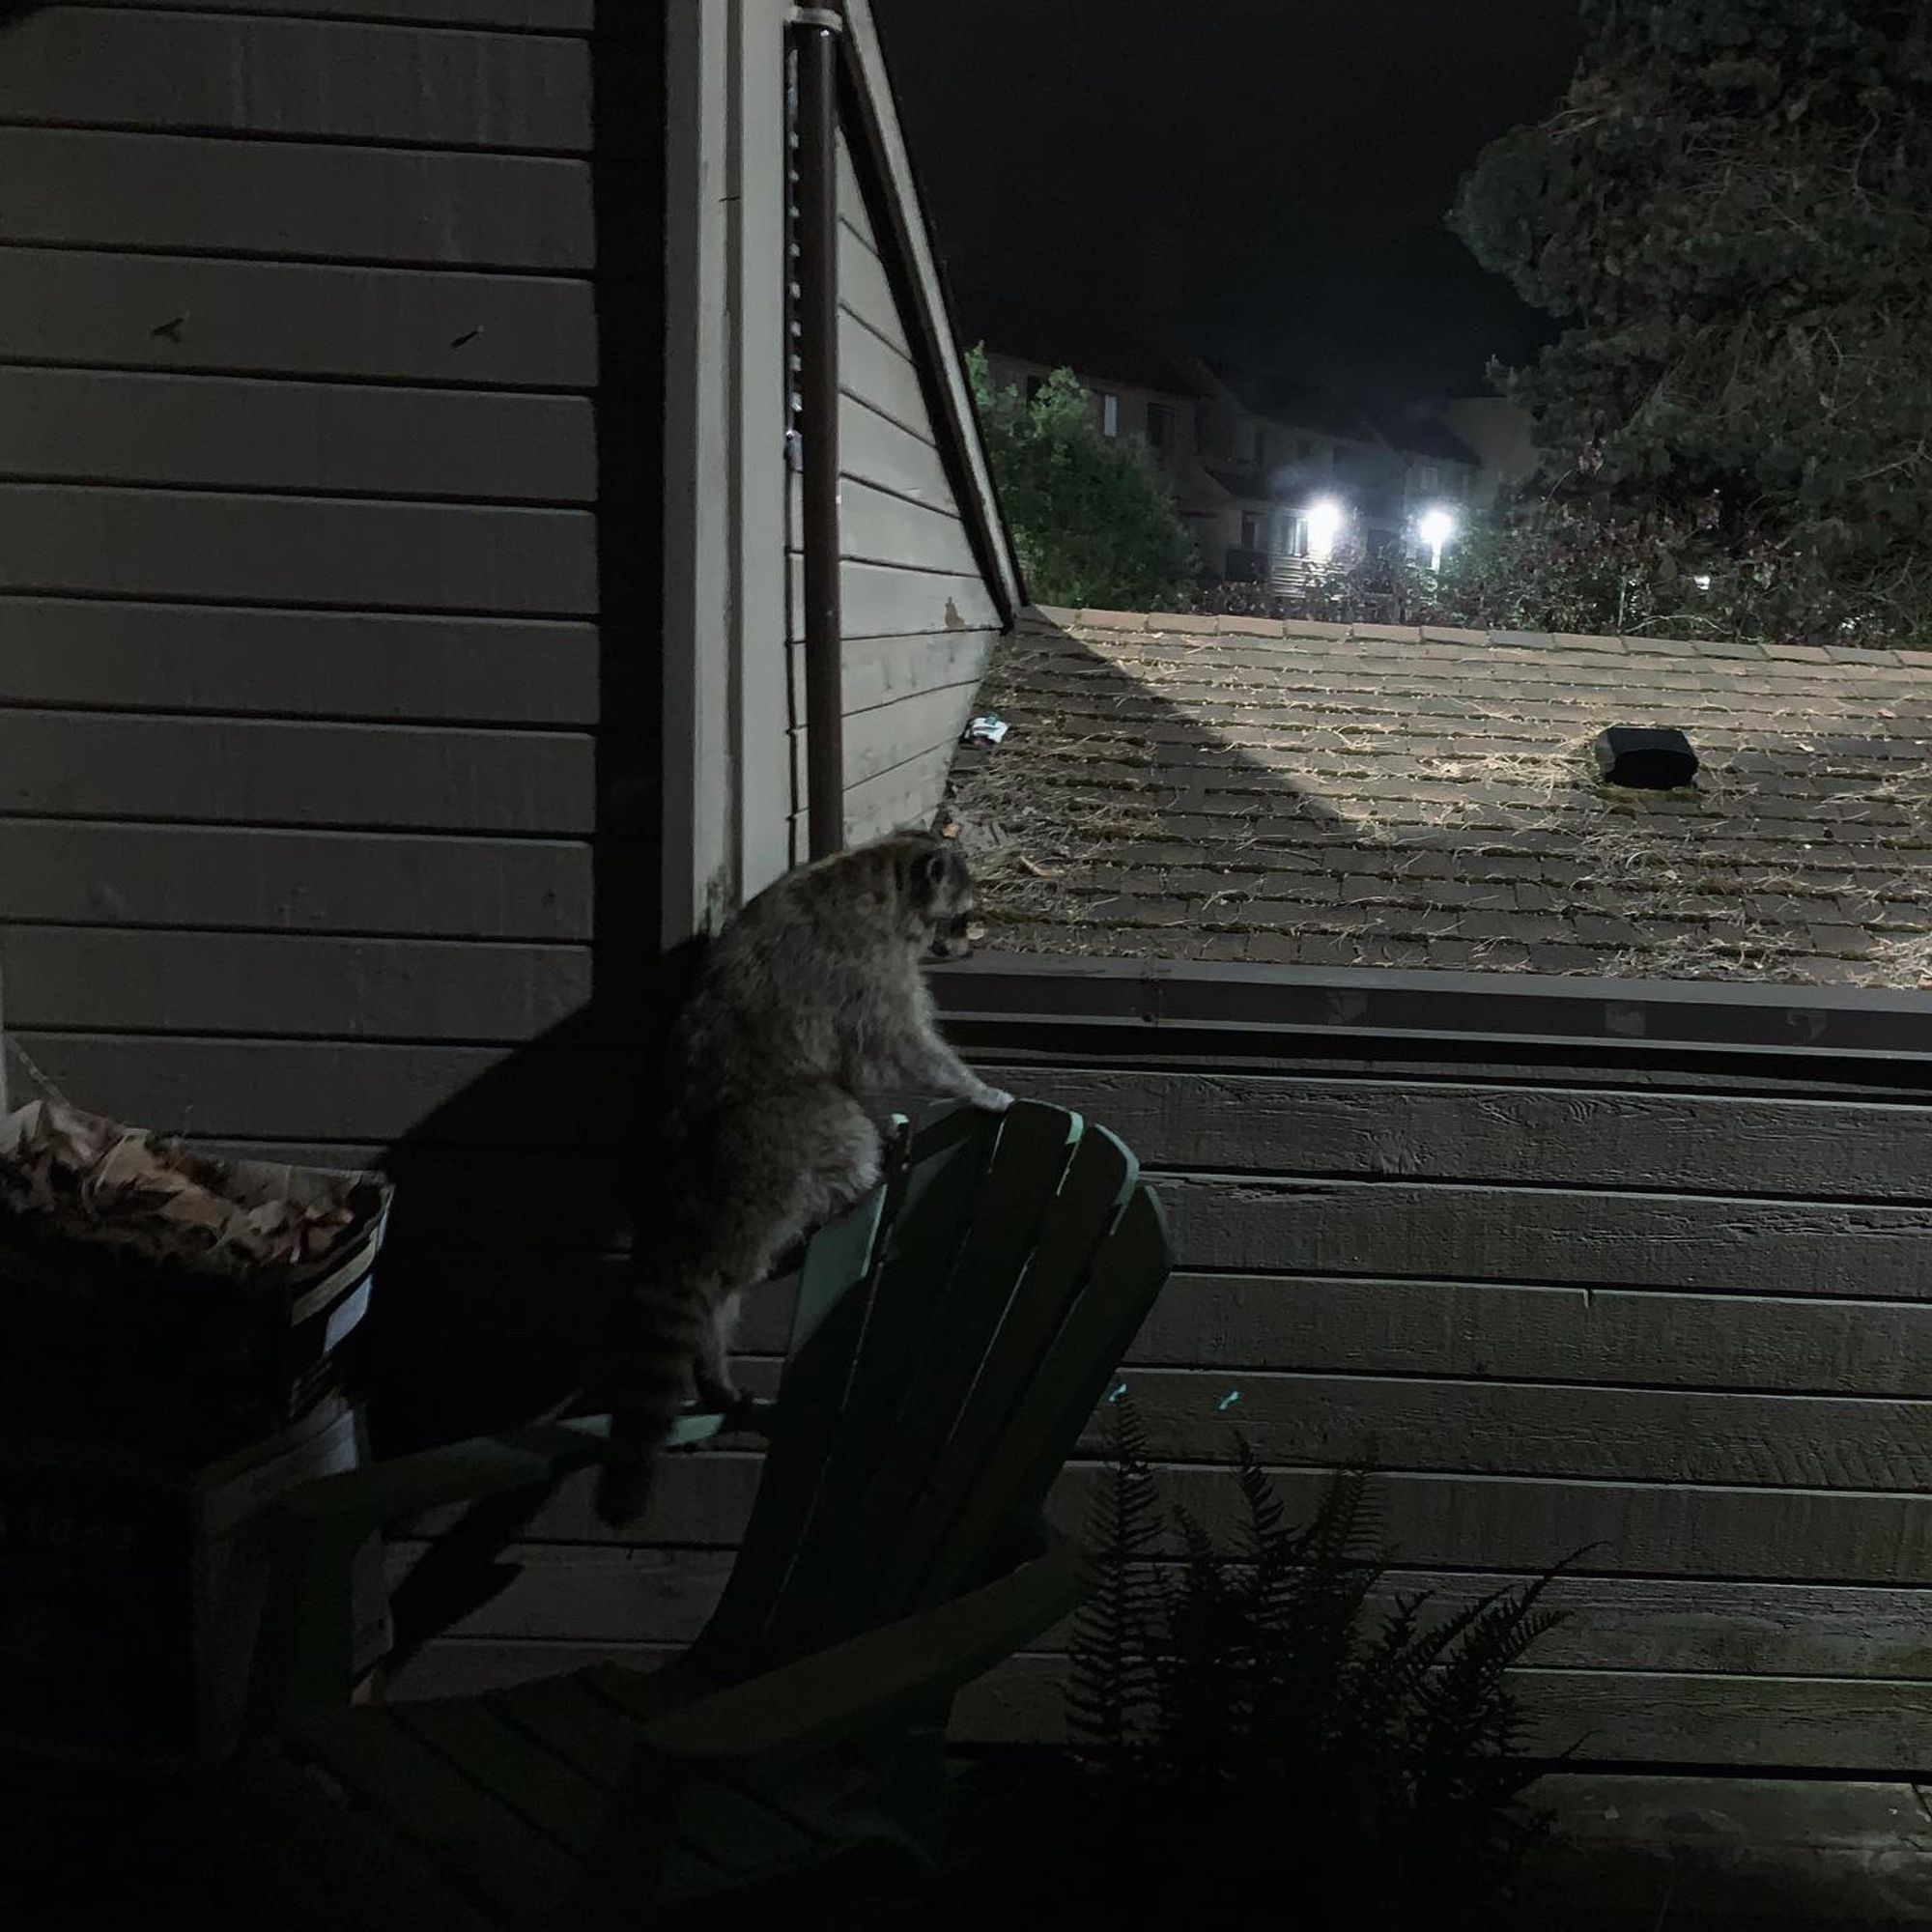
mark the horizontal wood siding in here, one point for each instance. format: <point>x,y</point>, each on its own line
<point>305,1093</point>
<point>253,984</point>
<point>235,433</point>
<point>885,527</point>
<point>919,619</point>
<point>1676,1718</point>
<point>200,72</point>
<point>1685,1334</point>
<point>566,16</point>
<point>93,540</point>
<point>298,562</point>
<point>1610,1624</point>
<point>897,797</point>
<point>201,313</point>
<point>294,200</point>
<point>222,771</point>
<point>87,654</point>
<point>904,665</point>
<point>1680,1335</point>
<point>881,737</point>
<point>256,879</point>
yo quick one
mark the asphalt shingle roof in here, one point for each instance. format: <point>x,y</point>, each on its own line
<point>1237,788</point>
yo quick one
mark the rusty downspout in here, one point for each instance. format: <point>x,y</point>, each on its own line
<point>816,43</point>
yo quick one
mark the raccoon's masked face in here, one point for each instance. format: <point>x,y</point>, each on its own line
<point>942,897</point>
<point>952,942</point>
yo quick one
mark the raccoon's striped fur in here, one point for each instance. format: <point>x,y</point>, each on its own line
<point>809,1006</point>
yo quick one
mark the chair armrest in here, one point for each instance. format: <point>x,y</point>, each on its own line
<point>454,1472</point>
<point>835,1694</point>
<point>485,1466</point>
<point>319,1527</point>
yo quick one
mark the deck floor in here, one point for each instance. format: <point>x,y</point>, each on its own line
<point>1666,1854</point>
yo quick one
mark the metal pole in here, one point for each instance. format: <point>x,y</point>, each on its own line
<point>818,425</point>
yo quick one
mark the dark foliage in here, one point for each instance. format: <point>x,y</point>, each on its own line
<point>1092,517</point>
<point>1237,598</point>
<point>1731,211</point>
<point>1112,1687</point>
<point>1251,1706</point>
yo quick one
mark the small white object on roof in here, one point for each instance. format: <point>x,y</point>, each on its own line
<point>987,729</point>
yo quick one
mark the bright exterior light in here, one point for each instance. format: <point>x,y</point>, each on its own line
<point>1435,527</point>
<point>1325,517</point>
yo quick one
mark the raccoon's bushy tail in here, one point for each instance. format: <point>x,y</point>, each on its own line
<point>667,1328</point>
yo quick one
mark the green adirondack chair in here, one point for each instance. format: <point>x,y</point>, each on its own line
<point>953,1336</point>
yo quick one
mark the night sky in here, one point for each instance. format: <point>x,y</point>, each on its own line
<point>1262,179</point>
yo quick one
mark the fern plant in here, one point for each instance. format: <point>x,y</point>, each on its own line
<point>1247,1702</point>
<point>1111,1689</point>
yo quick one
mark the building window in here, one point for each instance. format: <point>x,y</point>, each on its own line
<point>1260,453</point>
<point>1109,413</point>
<point>1034,385</point>
<point>1428,476</point>
<point>1304,448</point>
<point>1160,426</point>
<point>1254,530</point>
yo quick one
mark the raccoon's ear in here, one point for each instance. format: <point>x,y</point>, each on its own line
<point>928,871</point>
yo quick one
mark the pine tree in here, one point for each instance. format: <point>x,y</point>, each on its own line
<point>1731,212</point>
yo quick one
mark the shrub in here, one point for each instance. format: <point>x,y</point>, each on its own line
<point>1092,519</point>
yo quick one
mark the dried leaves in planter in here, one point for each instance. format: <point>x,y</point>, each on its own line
<point>71,1176</point>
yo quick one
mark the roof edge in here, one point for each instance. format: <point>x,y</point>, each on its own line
<point>910,236</point>
<point>1171,1003</point>
<point>1637,645</point>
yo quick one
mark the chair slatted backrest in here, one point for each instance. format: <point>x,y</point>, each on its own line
<point>1012,1259</point>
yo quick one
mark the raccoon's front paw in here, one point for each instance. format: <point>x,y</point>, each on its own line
<point>995,1099</point>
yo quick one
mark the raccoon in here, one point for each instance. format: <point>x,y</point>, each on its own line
<point>807,1008</point>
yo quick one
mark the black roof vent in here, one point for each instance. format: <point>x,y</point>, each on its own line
<point>1651,760</point>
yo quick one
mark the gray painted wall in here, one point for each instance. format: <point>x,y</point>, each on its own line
<point>1686,1327</point>
<point>920,622</point>
<point>297,545</point>
<point>300,678</point>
